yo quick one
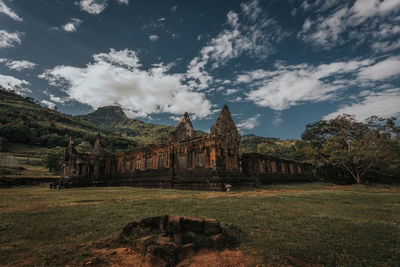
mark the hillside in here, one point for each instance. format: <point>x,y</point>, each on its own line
<point>24,121</point>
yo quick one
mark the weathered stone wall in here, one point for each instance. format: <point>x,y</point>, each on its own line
<point>184,162</point>
<point>266,169</point>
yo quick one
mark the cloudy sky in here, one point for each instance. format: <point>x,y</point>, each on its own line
<point>278,65</point>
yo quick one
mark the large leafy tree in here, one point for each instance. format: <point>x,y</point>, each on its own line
<point>353,146</point>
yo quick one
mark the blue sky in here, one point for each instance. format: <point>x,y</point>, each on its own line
<point>278,65</point>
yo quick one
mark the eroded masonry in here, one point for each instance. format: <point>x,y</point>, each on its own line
<point>209,162</point>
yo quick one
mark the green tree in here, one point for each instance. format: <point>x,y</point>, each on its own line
<point>290,149</point>
<point>53,160</point>
<point>353,146</point>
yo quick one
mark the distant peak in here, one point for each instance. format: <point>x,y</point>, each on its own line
<point>111,108</point>
<point>109,113</point>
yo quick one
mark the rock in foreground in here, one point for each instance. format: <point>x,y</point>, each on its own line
<point>173,238</point>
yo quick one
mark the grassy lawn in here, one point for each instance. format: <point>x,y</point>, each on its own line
<point>283,224</point>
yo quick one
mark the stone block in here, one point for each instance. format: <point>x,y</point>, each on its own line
<point>211,226</point>
<point>178,238</point>
<point>189,237</point>
<point>128,230</point>
<point>163,224</point>
<point>144,231</point>
<point>173,225</point>
<point>153,222</point>
<point>192,224</point>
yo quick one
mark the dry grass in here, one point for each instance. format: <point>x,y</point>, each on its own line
<point>301,224</point>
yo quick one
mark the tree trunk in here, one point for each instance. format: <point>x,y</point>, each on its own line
<point>357,178</point>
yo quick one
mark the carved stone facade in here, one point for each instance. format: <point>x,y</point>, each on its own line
<point>185,162</point>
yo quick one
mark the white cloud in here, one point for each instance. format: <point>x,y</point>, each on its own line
<point>363,9</point>
<point>196,70</point>
<point>251,9</point>
<point>319,5</point>
<point>366,21</point>
<point>293,85</point>
<point>386,46</point>
<point>10,82</point>
<point>72,26</point>
<point>9,39</point>
<point>236,99</point>
<point>58,99</point>
<point>249,123</point>
<point>19,65</point>
<point>231,91</point>
<point>382,70</point>
<point>252,32</point>
<point>6,10</point>
<point>116,78</point>
<point>325,32</point>
<point>386,30</point>
<point>153,37</point>
<point>277,118</point>
<point>93,6</point>
<point>125,58</point>
<point>48,104</point>
<point>384,104</point>
<point>175,118</point>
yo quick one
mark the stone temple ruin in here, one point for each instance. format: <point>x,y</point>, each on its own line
<point>185,161</point>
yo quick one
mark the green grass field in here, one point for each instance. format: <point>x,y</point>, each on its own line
<point>282,224</point>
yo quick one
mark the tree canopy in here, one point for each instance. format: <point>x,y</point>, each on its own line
<point>354,147</point>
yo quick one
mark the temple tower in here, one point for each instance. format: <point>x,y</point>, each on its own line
<point>183,131</point>
<point>229,138</point>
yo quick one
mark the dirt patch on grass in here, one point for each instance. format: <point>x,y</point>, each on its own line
<point>120,257</point>
<point>217,259</point>
<point>127,257</point>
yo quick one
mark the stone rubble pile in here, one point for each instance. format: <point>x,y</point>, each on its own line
<point>173,238</point>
